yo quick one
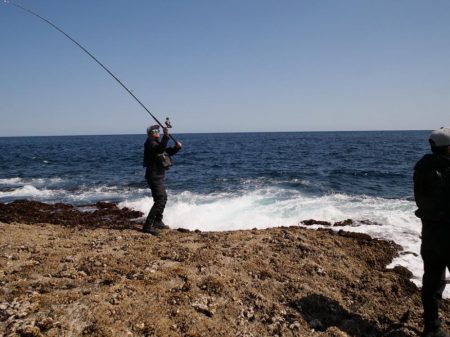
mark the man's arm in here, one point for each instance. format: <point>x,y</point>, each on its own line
<point>172,150</point>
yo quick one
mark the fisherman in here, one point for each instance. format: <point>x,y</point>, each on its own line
<point>432,195</point>
<point>157,161</point>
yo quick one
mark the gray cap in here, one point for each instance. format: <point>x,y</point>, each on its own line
<point>151,128</point>
<point>440,137</point>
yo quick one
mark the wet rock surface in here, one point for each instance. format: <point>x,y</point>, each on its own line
<point>99,215</point>
<point>74,278</point>
<point>346,222</point>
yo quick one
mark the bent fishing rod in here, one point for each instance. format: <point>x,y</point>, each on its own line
<point>94,58</point>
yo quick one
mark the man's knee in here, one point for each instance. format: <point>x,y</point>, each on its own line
<point>159,196</point>
<point>161,202</point>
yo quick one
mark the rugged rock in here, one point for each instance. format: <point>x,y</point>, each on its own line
<point>100,215</point>
<point>84,279</point>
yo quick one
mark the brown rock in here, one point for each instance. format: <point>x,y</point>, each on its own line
<point>278,281</point>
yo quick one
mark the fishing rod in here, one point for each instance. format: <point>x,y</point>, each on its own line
<point>168,125</point>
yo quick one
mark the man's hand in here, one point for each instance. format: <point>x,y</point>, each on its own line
<point>166,132</point>
<point>178,145</point>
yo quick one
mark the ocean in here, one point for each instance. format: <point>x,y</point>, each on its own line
<point>231,181</point>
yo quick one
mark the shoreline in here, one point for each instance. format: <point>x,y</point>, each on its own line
<point>77,279</point>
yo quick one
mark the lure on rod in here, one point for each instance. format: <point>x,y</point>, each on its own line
<point>95,59</point>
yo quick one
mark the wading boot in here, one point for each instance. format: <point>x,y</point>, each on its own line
<point>149,228</point>
<point>159,224</point>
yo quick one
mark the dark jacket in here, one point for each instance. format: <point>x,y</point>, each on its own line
<point>432,188</point>
<point>152,148</point>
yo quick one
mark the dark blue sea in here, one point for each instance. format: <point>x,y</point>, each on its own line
<point>76,169</point>
<point>234,180</point>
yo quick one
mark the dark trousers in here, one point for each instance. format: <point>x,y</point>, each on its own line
<point>159,195</point>
<point>435,253</point>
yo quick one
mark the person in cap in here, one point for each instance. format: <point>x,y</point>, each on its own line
<point>432,196</point>
<point>157,161</point>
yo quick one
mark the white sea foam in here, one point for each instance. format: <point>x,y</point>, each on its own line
<point>100,193</point>
<point>272,207</point>
<point>30,181</point>
<point>27,191</point>
<point>10,181</point>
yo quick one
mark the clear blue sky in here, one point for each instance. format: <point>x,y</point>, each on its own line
<point>225,66</point>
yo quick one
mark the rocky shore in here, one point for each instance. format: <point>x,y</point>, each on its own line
<point>68,271</point>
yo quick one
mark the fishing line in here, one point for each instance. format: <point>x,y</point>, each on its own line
<point>92,56</point>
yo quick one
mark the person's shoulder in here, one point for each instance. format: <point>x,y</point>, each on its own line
<point>432,162</point>
<point>428,161</point>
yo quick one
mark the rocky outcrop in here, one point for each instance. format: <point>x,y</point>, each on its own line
<point>86,280</point>
<point>99,215</point>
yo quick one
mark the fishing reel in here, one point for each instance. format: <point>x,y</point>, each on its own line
<point>168,123</point>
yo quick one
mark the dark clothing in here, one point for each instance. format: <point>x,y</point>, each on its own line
<point>152,148</point>
<point>432,194</point>
<point>435,251</point>
<point>432,187</point>
<point>159,195</point>
<point>155,173</point>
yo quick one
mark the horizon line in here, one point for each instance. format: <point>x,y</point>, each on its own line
<point>215,132</point>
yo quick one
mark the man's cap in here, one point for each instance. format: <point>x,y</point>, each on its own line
<point>152,128</point>
<point>440,137</point>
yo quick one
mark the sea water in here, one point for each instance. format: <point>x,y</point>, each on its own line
<point>233,181</point>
